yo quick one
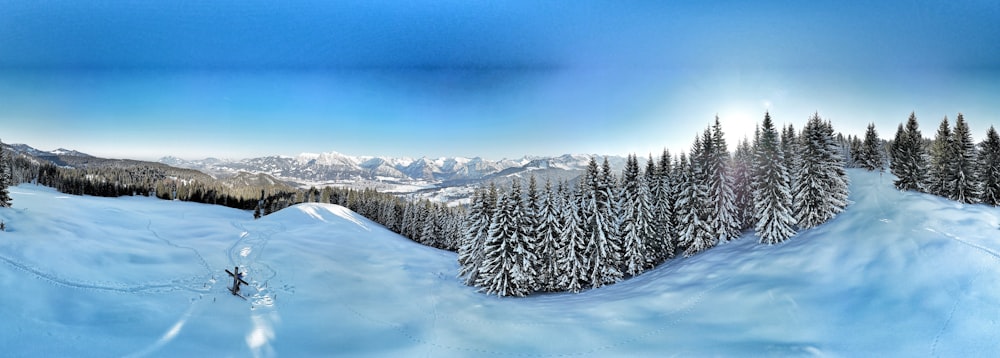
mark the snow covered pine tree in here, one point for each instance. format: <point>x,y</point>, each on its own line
<point>723,221</point>
<point>870,156</point>
<point>772,197</point>
<point>820,191</point>
<point>5,177</point>
<point>941,157</point>
<point>507,255</point>
<point>909,163</point>
<point>989,168</point>
<point>962,182</point>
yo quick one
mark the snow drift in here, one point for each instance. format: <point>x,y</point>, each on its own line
<point>898,273</point>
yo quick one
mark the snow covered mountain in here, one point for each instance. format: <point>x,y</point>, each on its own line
<point>19,148</point>
<point>896,274</point>
<point>178,162</point>
<point>70,152</point>
<point>312,168</point>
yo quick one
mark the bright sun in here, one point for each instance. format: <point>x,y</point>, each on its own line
<point>740,118</point>
<point>737,123</point>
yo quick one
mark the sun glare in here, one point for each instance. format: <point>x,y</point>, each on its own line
<point>738,122</point>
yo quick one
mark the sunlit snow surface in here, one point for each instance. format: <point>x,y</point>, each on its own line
<point>899,274</point>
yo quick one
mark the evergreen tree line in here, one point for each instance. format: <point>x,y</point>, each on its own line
<point>602,228</point>
<point>951,165</point>
<point>430,223</point>
<point>131,178</point>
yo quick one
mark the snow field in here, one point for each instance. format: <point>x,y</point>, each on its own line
<point>897,274</point>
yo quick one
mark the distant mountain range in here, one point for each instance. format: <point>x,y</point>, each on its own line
<point>74,159</point>
<point>47,155</point>
<point>323,168</point>
<point>448,179</point>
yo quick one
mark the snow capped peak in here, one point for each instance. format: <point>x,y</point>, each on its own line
<point>29,150</point>
<point>329,159</point>
<point>313,167</point>
<point>174,161</point>
<point>306,157</point>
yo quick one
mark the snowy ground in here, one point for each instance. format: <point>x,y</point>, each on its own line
<point>898,274</point>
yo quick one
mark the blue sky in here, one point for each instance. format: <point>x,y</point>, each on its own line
<point>239,79</point>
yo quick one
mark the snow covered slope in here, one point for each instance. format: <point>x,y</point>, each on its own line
<point>898,274</point>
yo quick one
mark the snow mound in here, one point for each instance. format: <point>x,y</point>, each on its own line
<point>328,213</point>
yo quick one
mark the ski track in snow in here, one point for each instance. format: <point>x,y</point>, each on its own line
<point>958,300</point>
<point>208,268</point>
<point>983,249</point>
<point>951,313</point>
<point>189,284</point>
<point>152,287</point>
<point>246,253</point>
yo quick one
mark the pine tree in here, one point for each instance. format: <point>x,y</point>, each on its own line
<point>941,156</point>
<point>871,153</point>
<point>909,163</point>
<point>636,230</point>
<point>613,212</point>
<point>790,148</point>
<point>989,168</point>
<point>470,251</point>
<point>772,197</point>
<point>409,220</point>
<point>809,191</point>
<point>532,206</point>
<point>530,219</point>
<point>664,221</point>
<point>855,145</point>
<point>507,256</point>
<point>683,205</point>
<point>574,262</point>
<point>692,204</point>
<point>652,182</point>
<point>837,179</point>
<point>897,155</point>
<point>722,216</point>
<point>820,193</point>
<point>5,179</point>
<point>843,147</point>
<point>742,190</point>
<point>548,230</point>
<point>454,228</point>
<point>644,211</point>
<point>601,227</point>
<point>430,233</point>
<point>496,272</point>
<point>962,183</point>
